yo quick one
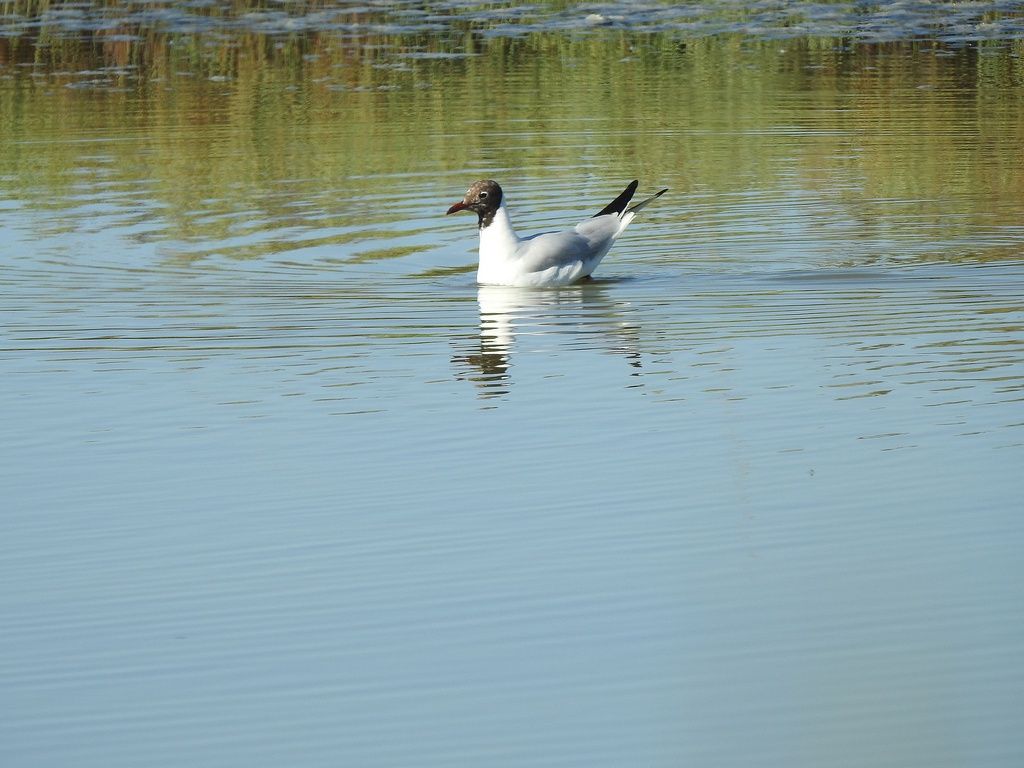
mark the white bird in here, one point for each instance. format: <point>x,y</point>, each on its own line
<point>548,259</point>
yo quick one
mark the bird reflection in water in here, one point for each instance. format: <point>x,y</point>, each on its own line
<point>582,314</point>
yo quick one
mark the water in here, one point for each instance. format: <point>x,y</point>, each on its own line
<point>282,485</point>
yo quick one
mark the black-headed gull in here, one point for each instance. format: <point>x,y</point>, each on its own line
<point>548,259</point>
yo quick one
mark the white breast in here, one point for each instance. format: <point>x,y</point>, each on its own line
<point>498,246</point>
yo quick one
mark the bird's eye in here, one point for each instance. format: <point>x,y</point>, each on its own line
<point>483,195</point>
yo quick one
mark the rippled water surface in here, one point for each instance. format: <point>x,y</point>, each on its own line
<point>283,486</point>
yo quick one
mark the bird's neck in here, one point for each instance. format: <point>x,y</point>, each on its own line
<point>498,236</point>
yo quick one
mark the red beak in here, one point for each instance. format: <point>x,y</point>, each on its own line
<point>459,206</point>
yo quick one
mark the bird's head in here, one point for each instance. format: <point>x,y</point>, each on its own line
<point>483,198</point>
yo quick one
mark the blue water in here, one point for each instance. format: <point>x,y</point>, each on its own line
<point>283,486</point>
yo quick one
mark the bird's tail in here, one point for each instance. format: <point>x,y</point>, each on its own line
<point>634,209</point>
<point>630,213</point>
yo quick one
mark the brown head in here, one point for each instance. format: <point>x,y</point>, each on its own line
<point>483,198</point>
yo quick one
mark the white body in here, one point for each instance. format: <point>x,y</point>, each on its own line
<point>546,260</point>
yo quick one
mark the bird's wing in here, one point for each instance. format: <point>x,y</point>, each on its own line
<point>588,240</point>
<point>600,231</point>
<point>553,249</point>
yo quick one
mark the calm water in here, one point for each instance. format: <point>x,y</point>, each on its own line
<point>282,486</point>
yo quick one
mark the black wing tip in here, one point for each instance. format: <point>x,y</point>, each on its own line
<point>618,205</point>
<point>643,203</point>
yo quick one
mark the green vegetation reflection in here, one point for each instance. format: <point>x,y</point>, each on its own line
<point>299,134</point>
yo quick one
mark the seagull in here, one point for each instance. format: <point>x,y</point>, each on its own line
<point>549,259</point>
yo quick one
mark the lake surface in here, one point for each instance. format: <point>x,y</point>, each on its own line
<point>283,486</point>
